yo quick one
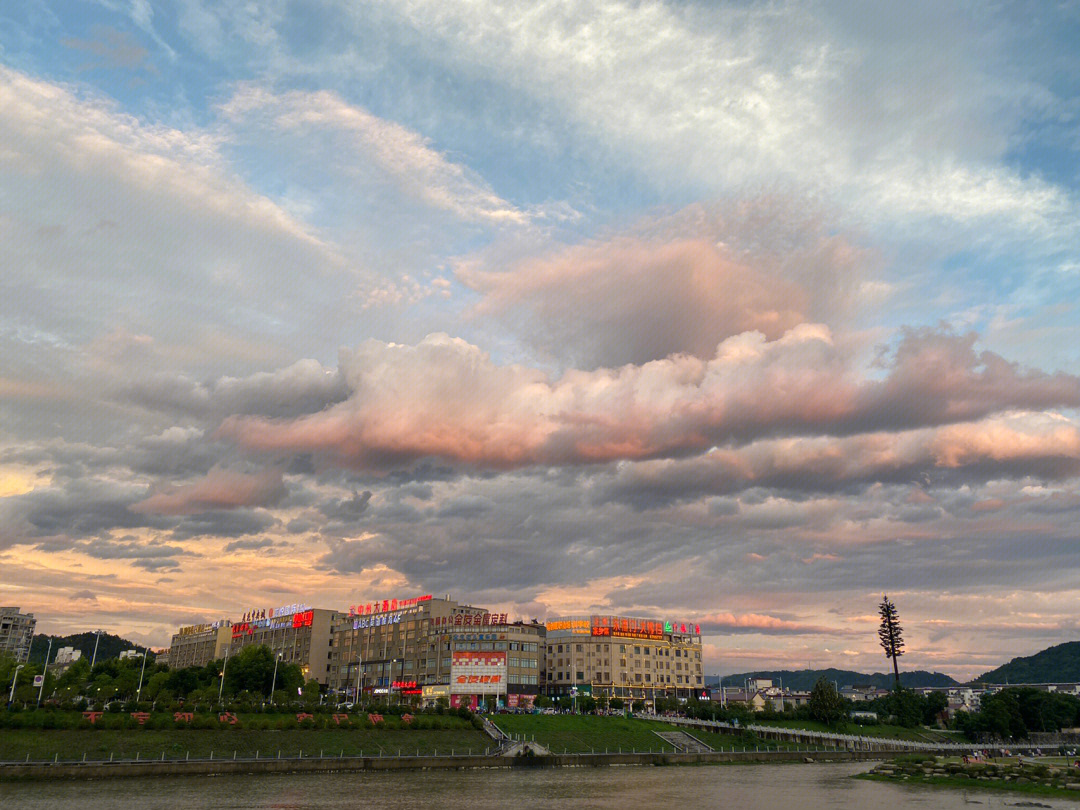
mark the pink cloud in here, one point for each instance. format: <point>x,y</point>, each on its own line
<point>675,285</point>
<point>764,624</point>
<point>445,398</point>
<point>219,489</point>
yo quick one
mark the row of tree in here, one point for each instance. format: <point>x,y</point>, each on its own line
<point>249,677</point>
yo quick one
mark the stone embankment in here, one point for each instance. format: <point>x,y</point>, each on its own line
<point>204,767</point>
<point>985,774</point>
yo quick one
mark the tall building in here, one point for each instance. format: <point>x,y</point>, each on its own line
<point>16,632</point>
<point>299,634</point>
<point>431,648</point>
<point>622,656</point>
<point>198,644</point>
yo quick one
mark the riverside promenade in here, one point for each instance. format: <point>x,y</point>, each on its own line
<point>64,770</point>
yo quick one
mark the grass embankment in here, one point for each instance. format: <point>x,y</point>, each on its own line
<point>99,744</point>
<point>1013,776</point>
<point>582,734</point>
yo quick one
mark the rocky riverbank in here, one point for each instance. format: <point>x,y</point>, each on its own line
<point>1023,776</point>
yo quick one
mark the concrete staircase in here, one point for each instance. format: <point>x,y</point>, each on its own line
<point>684,743</point>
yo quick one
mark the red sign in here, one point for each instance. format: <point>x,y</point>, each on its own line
<point>228,717</point>
<point>303,619</point>
<point>340,718</point>
<point>243,628</point>
<point>404,684</point>
<point>92,716</point>
<point>387,605</point>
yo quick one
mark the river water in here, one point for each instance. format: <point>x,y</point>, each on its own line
<point>738,787</point>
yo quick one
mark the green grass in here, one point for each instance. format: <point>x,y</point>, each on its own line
<point>71,744</point>
<point>578,734</point>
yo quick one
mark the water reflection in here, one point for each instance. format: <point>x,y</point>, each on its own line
<point>800,786</point>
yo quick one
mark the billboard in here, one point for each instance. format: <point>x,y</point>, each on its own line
<point>478,673</point>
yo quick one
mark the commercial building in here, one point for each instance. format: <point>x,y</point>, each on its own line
<point>623,656</point>
<point>198,644</point>
<point>16,633</point>
<point>298,634</point>
<point>432,648</point>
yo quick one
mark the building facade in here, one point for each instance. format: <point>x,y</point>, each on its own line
<point>16,633</point>
<point>430,648</point>
<point>298,634</point>
<point>623,656</point>
<point>198,644</point>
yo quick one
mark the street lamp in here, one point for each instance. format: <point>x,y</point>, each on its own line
<point>359,676</point>
<point>97,638</point>
<point>138,693</point>
<point>44,672</point>
<point>11,695</point>
<point>273,681</point>
<point>221,688</point>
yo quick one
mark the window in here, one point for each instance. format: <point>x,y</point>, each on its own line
<point>580,648</point>
<point>637,650</point>
<point>580,675</point>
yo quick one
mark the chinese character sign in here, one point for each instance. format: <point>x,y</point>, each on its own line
<point>478,673</point>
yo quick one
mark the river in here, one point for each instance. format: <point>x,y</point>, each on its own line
<point>738,787</point>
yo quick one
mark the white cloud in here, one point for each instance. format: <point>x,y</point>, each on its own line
<point>405,155</point>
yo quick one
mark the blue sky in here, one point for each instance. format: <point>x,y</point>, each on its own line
<point>783,294</point>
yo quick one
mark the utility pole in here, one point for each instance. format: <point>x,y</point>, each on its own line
<point>273,681</point>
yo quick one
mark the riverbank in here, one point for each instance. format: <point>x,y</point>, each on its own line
<point>1025,777</point>
<point>18,771</point>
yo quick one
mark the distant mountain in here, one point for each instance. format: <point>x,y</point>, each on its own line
<point>1058,664</point>
<point>109,646</point>
<point>804,679</point>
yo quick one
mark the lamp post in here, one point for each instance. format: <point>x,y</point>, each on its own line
<point>11,695</point>
<point>359,676</point>
<point>44,672</point>
<point>138,693</point>
<point>221,688</point>
<point>93,658</point>
<point>273,681</point>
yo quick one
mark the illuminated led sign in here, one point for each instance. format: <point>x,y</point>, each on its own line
<point>195,629</point>
<point>578,626</point>
<point>387,605</point>
<point>470,620</point>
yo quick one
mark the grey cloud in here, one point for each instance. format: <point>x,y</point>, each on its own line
<point>347,510</point>
<point>250,545</point>
<point>224,523</point>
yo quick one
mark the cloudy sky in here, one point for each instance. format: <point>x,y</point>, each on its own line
<point>738,313</point>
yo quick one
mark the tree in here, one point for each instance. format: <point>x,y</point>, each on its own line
<point>891,634</point>
<point>826,705</point>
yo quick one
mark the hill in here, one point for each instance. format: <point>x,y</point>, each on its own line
<point>1058,664</point>
<point>804,679</point>
<point>109,646</point>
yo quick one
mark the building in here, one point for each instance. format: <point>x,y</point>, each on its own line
<point>16,633</point>
<point>133,653</point>
<point>298,634</point>
<point>198,644</point>
<point>432,648</point>
<point>623,656</point>
<point>65,657</point>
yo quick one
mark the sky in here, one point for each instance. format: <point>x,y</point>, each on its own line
<point>736,313</point>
